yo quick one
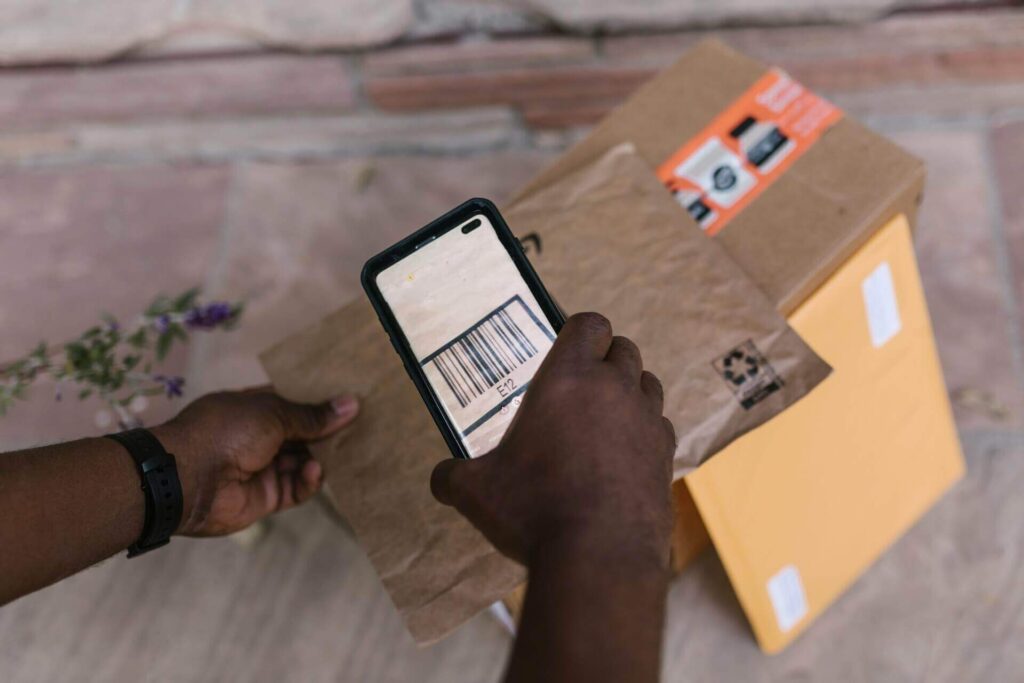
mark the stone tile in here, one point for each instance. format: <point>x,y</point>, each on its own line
<point>77,243</point>
<point>35,31</point>
<point>942,605</point>
<point>663,14</point>
<point>461,56</point>
<point>166,89</point>
<point>307,24</point>
<point>291,137</point>
<point>298,235</point>
<point>195,41</point>
<point>304,605</point>
<point>962,279</point>
<point>938,102</point>
<point>513,87</point>
<point>474,17</point>
<point>891,39</point>
<point>1008,162</point>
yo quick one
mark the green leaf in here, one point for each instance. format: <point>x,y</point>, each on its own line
<point>84,394</point>
<point>163,346</point>
<point>76,353</point>
<point>15,368</point>
<point>138,338</point>
<point>160,305</point>
<point>185,300</point>
<point>130,361</point>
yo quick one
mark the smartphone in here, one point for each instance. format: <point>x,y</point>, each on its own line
<point>470,319</point>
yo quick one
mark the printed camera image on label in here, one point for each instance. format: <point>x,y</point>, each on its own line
<point>748,374</point>
<point>480,375</point>
<point>746,148</point>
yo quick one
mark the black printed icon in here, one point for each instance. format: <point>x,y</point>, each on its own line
<point>724,178</point>
<point>748,374</point>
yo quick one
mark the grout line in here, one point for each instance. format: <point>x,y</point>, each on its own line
<point>1002,257</point>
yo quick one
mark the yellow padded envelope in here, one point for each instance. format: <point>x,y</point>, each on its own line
<point>800,507</point>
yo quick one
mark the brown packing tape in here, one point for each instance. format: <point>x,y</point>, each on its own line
<point>613,240</point>
<point>811,219</point>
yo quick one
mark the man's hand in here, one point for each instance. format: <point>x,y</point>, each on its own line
<point>242,456</point>
<point>578,490</point>
<point>587,461</point>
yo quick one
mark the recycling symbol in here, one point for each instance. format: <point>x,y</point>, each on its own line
<point>738,366</point>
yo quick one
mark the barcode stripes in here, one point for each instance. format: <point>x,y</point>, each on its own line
<point>484,356</point>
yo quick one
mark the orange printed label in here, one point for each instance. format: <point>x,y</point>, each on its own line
<point>750,144</point>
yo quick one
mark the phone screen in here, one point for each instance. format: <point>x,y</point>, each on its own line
<point>473,324</point>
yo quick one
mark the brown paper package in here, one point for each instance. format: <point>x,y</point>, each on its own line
<point>613,240</point>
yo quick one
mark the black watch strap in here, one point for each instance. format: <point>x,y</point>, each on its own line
<point>160,485</point>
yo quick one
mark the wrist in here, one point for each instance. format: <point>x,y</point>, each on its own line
<point>600,548</point>
<point>176,441</point>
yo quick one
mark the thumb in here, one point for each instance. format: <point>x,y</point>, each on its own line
<point>445,480</point>
<point>308,422</point>
<point>459,482</point>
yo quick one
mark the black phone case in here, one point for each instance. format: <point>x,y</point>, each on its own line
<point>400,250</point>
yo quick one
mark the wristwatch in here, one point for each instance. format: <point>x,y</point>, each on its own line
<point>160,485</point>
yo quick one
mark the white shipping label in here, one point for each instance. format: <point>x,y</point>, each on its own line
<point>786,591</point>
<point>880,301</point>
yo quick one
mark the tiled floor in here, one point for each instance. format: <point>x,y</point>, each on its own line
<point>271,177</point>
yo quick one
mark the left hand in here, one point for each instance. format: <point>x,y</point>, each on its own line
<point>241,455</point>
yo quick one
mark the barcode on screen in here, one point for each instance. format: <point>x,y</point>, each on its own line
<point>483,356</point>
<point>481,374</point>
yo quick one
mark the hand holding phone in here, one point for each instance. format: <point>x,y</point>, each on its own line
<point>470,319</point>
<point>588,460</point>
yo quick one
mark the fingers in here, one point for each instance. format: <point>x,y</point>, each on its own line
<point>308,422</point>
<point>584,337</point>
<point>625,355</point>
<point>655,393</point>
<point>285,483</point>
<point>670,431</point>
<point>308,481</point>
<point>457,482</point>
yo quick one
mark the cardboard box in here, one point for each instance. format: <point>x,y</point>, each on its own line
<point>800,507</point>
<point>811,218</point>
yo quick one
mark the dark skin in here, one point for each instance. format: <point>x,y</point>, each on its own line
<point>240,456</point>
<point>578,491</point>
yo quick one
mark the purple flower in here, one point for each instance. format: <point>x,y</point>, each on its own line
<point>162,323</point>
<point>172,385</point>
<point>209,316</point>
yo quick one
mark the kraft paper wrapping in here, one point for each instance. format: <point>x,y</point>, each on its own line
<point>613,241</point>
